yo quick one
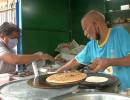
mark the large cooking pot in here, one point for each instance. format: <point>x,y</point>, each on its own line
<point>92,96</point>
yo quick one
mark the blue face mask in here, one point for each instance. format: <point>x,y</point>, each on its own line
<point>12,43</point>
<point>98,37</point>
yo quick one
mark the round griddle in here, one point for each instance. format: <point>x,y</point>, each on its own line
<point>45,85</point>
<point>111,80</point>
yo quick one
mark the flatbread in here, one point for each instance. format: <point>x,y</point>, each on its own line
<point>96,79</point>
<point>64,78</point>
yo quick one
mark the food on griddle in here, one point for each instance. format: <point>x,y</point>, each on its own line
<point>65,78</point>
<point>96,79</point>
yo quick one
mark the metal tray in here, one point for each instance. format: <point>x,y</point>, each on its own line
<point>20,90</point>
<point>44,84</point>
<point>111,80</point>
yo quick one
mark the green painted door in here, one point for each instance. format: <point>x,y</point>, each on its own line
<point>45,24</point>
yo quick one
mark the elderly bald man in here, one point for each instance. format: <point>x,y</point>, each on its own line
<point>107,47</point>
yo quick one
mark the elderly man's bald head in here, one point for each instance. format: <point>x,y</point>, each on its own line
<point>94,16</point>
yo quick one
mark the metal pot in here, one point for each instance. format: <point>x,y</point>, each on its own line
<point>125,92</point>
<point>92,96</point>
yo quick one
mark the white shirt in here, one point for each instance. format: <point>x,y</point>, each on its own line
<point>4,66</point>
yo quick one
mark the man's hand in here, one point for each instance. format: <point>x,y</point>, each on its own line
<point>47,57</point>
<point>99,65</point>
<point>72,64</point>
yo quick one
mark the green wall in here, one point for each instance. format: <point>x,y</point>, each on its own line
<point>45,24</point>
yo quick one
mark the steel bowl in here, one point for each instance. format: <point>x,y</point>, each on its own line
<point>92,96</point>
<point>125,92</point>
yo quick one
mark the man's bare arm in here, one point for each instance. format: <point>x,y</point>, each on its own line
<point>103,63</point>
<point>125,61</point>
<point>24,59</point>
<point>70,65</point>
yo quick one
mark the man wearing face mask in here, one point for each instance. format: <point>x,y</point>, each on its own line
<point>107,47</point>
<point>9,34</point>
